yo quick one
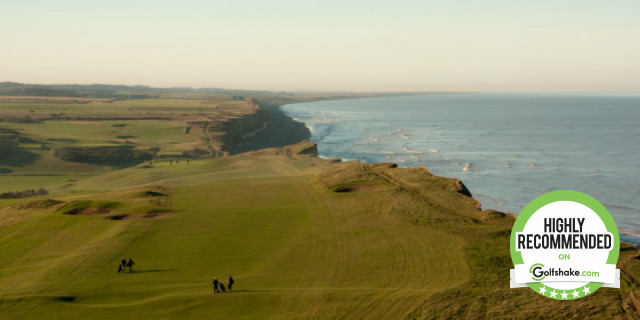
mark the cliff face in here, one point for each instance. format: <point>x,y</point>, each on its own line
<point>280,131</point>
<point>268,127</point>
<point>252,130</point>
<point>236,130</point>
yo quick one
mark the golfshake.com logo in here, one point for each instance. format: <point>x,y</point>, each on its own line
<point>565,245</point>
<point>539,273</point>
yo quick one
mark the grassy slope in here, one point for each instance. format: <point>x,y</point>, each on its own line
<point>295,248</point>
<point>36,166</point>
<point>411,248</point>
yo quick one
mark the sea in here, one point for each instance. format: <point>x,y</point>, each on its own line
<point>507,149</point>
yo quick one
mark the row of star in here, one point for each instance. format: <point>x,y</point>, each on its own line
<point>564,294</point>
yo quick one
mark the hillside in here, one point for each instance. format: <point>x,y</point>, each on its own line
<point>163,181</point>
<point>54,140</point>
<point>303,237</point>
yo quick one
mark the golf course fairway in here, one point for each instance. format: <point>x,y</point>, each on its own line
<point>303,237</point>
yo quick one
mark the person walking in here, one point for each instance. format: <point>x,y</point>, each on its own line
<point>215,285</point>
<point>130,264</point>
<point>229,282</point>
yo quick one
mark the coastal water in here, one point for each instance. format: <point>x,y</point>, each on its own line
<point>506,148</point>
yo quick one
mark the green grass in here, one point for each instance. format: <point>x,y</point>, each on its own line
<point>413,247</point>
<point>33,162</point>
<point>145,133</point>
<point>157,106</point>
<point>296,248</point>
<point>290,244</point>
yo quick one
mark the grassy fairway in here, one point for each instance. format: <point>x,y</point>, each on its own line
<point>42,142</point>
<point>401,244</point>
<point>304,238</point>
<point>295,248</point>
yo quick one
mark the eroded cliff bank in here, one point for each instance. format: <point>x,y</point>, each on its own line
<point>268,127</point>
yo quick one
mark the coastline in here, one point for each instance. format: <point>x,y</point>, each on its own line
<point>277,130</point>
<point>473,153</point>
<point>629,252</point>
<point>379,229</point>
<point>280,130</point>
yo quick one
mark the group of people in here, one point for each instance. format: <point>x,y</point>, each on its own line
<point>177,161</point>
<point>218,286</point>
<point>124,264</point>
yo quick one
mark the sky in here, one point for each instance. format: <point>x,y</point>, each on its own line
<point>427,45</point>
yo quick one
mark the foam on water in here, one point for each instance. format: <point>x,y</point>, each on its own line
<point>507,148</point>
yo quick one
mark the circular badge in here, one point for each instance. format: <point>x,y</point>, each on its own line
<point>565,246</point>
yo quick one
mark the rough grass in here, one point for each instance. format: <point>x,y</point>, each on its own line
<point>38,204</point>
<point>413,248</point>
<point>75,207</point>
<point>292,243</point>
<point>118,156</point>
<point>409,245</point>
<point>93,138</point>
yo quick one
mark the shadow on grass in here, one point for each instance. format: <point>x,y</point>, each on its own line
<point>65,298</point>
<point>148,271</point>
<point>17,158</point>
<point>121,156</point>
<point>5,170</point>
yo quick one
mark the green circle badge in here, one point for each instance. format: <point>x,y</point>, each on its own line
<point>564,246</point>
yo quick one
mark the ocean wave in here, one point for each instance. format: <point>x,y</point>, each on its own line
<point>320,131</point>
<point>411,150</point>
<point>311,129</point>
<point>630,233</point>
<point>494,198</point>
<point>618,207</point>
<point>497,163</point>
